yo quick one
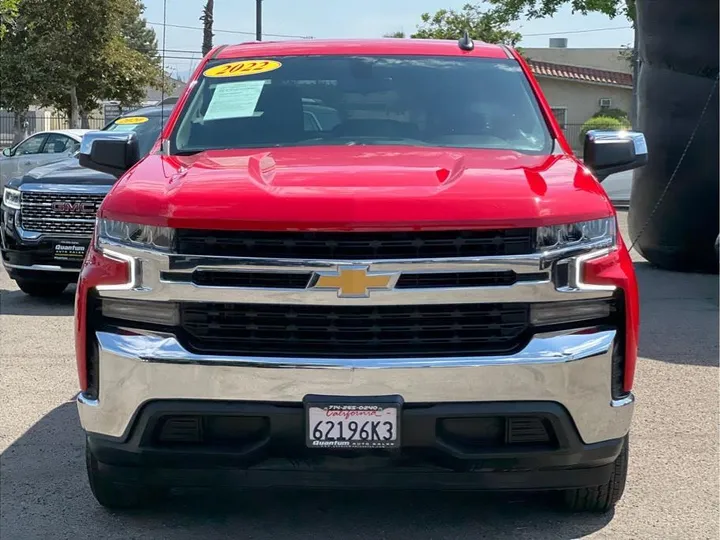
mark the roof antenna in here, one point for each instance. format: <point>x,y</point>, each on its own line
<point>465,43</point>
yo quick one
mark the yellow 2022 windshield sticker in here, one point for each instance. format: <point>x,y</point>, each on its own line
<point>131,120</point>
<point>242,68</point>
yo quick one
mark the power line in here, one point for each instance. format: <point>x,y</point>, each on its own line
<point>182,57</point>
<point>230,31</point>
<point>239,32</point>
<point>578,31</point>
<point>182,51</point>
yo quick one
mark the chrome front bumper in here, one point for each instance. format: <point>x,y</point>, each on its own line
<point>572,369</point>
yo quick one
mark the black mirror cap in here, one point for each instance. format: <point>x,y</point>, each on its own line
<point>111,153</point>
<point>610,152</point>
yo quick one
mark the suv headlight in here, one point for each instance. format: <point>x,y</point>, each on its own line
<point>11,198</point>
<point>601,233</point>
<point>134,235</point>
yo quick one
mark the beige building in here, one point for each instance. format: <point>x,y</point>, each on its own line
<point>579,82</point>
<point>604,59</point>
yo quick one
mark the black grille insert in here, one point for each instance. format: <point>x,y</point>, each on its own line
<point>355,331</point>
<point>456,279</point>
<point>251,279</point>
<point>356,245</point>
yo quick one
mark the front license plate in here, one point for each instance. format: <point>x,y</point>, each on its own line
<point>353,425</point>
<point>70,251</point>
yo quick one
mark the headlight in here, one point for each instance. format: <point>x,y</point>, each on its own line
<point>11,198</point>
<point>134,235</point>
<point>599,232</point>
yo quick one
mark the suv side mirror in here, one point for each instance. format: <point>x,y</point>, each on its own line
<point>610,152</point>
<point>7,152</point>
<point>111,153</point>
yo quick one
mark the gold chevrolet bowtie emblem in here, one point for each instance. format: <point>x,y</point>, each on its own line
<point>354,281</point>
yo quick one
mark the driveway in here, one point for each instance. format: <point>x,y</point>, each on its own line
<point>672,491</point>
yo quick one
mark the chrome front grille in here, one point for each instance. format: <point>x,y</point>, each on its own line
<point>232,301</point>
<point>59,213</point>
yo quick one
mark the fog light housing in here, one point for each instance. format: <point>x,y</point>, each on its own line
<point>141,311</point>
<point>570,312</point>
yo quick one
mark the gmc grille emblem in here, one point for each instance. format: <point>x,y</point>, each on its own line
<point>77,208</point>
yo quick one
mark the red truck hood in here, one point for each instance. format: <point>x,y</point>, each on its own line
<point>356,188</point>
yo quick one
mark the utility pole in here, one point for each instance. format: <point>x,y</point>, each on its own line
<point>258,20</point>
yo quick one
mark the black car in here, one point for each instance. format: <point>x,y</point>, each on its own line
<point>47,216</point>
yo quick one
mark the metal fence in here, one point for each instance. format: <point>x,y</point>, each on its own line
<point>42,121</point>
<point>573,134</point>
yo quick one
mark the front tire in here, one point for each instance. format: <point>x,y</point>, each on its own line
<point>601,499</point>
<point>107,492</point>
<point>42,289</point>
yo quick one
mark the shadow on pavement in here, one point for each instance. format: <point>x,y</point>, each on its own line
<point>678,316</point>
<point>45,494</point>
<point>18,303</point>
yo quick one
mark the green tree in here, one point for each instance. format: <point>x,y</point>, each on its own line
<point>139,36</point>
<point>536,9</point>
<point>21,71</point>
<point>8,12</point>
<point>75,34</point>
<point>607,123</point>
<point>487,26</point>
<point>619,114</point>
<point>399,34</point>
<point>124,64</point>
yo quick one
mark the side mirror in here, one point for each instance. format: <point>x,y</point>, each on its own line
<point>610,152</point>
<point>111,153</point>
<point>7,152</point>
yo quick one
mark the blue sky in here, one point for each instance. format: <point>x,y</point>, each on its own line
<point>359,19</point>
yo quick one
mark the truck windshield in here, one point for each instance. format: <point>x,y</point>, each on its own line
<point>146,128</point>
<point>438,101</point>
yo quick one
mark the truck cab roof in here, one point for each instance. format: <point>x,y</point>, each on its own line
<point>388,46</point>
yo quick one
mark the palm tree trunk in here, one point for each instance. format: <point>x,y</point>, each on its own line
<point>207,18</point>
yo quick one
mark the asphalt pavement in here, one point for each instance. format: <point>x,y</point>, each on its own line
<point>618,187</point>
<point>672,491</point>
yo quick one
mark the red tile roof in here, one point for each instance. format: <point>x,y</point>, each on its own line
<point>580,74</point>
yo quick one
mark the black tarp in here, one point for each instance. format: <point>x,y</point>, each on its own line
<point>678,68</point>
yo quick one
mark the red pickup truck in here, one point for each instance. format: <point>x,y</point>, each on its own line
<point>354,264</point>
